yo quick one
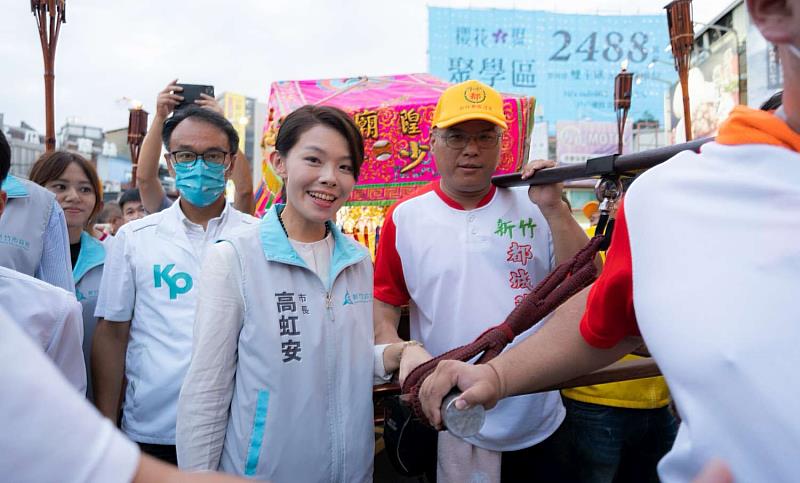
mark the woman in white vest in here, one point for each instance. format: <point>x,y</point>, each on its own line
<point>74,181</point>
<point>280,383</point>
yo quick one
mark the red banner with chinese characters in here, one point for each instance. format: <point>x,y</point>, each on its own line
<point>394,115</point>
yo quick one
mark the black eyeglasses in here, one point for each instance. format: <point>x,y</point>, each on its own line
<point>459,140</point>
<point>214,156</point>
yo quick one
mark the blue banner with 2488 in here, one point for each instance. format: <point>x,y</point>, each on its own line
<point>568,61</point>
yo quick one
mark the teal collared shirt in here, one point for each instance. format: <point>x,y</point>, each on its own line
<point>92,254</point>
<point>14,187</point>
<point>277,248</point>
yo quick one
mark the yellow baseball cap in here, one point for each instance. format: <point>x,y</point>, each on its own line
<point>467,101</point>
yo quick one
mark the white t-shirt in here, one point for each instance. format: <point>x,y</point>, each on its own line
<point>725,333</point>
<point>51,316</point>
<point>704,264</point>
<point>149,279</point>
<point>462,272</point>
<point>48,432</point>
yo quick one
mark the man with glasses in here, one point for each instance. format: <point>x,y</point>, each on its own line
<point>148,295</point>
<point>462,254</point>
<point>153,197</point>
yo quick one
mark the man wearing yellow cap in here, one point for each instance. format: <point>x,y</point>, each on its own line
<point>462,253</point>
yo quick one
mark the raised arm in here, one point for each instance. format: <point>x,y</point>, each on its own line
<point>147,181</point>
<point>242,177</point>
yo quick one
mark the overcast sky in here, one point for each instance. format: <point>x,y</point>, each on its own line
<point>109,50</point>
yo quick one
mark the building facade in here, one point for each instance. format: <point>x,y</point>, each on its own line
<point>27,144</point>
<point>247,116</point>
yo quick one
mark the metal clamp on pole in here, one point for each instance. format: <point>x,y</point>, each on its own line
<point>602,166</point>
<point>608,191</point>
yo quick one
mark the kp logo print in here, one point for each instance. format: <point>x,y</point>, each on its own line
<point>172,280</point>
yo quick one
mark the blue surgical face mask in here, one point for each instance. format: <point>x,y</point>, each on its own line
<point>200,183</point>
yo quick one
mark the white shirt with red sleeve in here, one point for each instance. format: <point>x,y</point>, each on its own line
<point>463,271</point>
<point>705,263</point>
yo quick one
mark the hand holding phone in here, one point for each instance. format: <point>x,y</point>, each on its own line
<point>191,93</point>
<point>167,99</point>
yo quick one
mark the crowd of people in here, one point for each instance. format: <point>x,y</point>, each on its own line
<point>144,334</point>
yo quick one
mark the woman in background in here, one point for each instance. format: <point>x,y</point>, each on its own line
<point>74,181</point>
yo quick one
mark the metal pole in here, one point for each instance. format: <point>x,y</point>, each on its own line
<point>621,165</point>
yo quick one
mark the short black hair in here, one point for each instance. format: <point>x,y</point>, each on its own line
<point>5,157</point>
<point>109,211</point>
<point>304,118</point>
<point>774,102</point>
<point>203,115</point>
<point>128,196</point>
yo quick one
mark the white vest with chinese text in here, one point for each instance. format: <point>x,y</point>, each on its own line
<point>302,402</point>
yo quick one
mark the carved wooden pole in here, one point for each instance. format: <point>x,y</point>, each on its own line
<point>623,89</point>
<point>49,14</point>
<point>137,128</point>
<point>681,37</point>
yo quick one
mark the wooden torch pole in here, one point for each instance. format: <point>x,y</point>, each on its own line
<point>49,14</point>
<point>681,37</point>
<point>137,128</point>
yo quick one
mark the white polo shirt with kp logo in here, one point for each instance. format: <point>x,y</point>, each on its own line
<point>150,279</point>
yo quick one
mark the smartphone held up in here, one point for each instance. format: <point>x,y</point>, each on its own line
<point>191,93</point>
